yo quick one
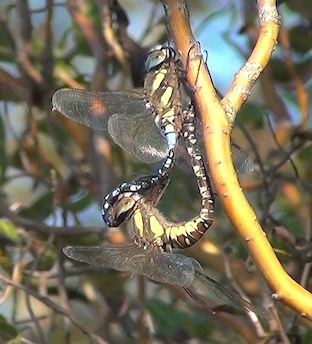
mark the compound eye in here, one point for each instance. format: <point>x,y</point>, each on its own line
<point>155,58</point>
<point>124,206</point>
<point>119,212</point>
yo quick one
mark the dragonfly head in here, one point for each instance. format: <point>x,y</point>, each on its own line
<point>120,204</point>
<point>157,56</point>
<point>114,214</point>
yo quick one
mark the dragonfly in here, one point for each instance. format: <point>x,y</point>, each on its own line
<point>136,202</point>
<point>145,124</point>
<point>150,252</point>
<point>152,262</point>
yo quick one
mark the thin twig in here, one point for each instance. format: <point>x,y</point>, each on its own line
<point>55,307</point>
<point>42,228</point>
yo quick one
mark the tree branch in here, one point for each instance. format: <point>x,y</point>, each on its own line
<point>43,228</point>
<point>217,119</point>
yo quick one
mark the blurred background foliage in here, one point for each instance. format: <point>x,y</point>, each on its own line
<point>54,173</point>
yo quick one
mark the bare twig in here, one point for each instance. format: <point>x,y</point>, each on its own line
<point>55,307</point>
<point>42,228</point>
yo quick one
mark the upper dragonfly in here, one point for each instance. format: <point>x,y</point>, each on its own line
<point>146,125</point>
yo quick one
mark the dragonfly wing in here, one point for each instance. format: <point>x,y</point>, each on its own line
<point>93,109</point>
<point>123,113</point>
<point>161,267</point>
<point>224,293</point>
<point>139,136</point>
<point>172,268</point>
<point>242,161</point>
<point>194,295</point>
<point>106,256</point>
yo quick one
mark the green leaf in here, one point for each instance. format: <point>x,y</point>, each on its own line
<point>8,333</point>
<point>41,209</point>
<point>170,320</point>
<point>6,51</point>
<point>80,203</point>
<point>8,230</point>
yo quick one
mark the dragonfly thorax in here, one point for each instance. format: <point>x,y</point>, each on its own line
<point>162,90</point>
<point>147,225</point>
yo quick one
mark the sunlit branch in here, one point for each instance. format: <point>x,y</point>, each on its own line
<point>217,119</point>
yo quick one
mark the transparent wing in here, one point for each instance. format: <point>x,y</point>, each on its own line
<point>130,124</point>
<point>242,161</point>
<point>139,136</point>
<point>224,293</point>
<point>122,113</point>
<point>161,267</point>
<point>93,109</point>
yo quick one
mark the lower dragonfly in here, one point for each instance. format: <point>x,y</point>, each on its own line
<point>164,267</point>
<point>153,235</point>
<point>135,202</point>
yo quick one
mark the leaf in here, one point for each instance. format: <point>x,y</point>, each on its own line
<point>41,209</point>
<point>170,320</point>
<point>81,202</point>
<point>8,231</point>
<point>8,333</point>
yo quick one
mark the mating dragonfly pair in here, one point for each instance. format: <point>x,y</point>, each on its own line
<point>152,125</point>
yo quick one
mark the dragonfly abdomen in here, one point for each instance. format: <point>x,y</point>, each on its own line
<point>186,234</point>
<point>190,232</point>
